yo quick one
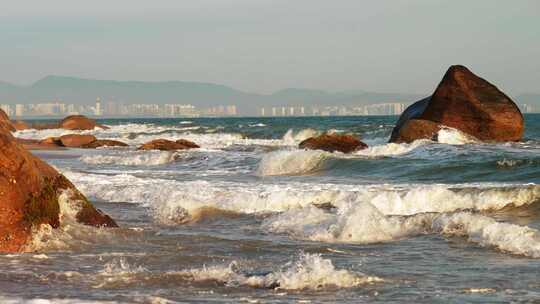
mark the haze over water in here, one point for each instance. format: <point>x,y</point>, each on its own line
<point>251,218</point>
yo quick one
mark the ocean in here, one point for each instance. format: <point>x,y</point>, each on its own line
<point>250,218</point>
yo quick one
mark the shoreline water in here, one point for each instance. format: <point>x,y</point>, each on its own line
<point>249,217</point>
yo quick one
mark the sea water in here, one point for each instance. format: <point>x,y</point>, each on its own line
<point>250,218</point>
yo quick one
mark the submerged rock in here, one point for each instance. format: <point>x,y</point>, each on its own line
<point>104,143</point>
<point>168,145</point>
<point>333,142</point>
<point>465,102</point>
<point>76,140</point>
<point>29,193</point>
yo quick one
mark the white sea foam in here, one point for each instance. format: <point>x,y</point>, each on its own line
<point>355,223</point>
<point>392,149</point>
<point>452,136</point>
<point>310,271</point>
<point>133,158</point>
<point>70,234</point>
<point>488,232</point>
<point>19,300</point>
<point>171,199</point>
<point>136,134</point>
<point>293,138</point>
<point>290,162</point>
<point>509,162</point>
<point>117,271</point>
<point>363,223</point>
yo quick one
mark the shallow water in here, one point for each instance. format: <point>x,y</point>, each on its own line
<point>250,218</point>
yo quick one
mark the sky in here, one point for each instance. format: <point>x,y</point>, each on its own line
<point>262,46</point>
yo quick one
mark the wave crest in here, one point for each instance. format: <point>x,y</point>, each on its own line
<point>146,158</point>
<point>310,271</point>
<point>291,162</point>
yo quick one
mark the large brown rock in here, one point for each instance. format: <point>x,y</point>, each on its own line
<point>76,140</point>
<point>333,142</point>
<point>419,128</point>
<point>467,103</point>
<point>29,192</point>
<point>35,144</point>
<point>78,122</point>
<point>168,145</point>
<point>5,123</point>
<point>104,143</point>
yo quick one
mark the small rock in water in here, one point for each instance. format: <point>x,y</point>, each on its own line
<point>168,145</point>
<point>333,142</point>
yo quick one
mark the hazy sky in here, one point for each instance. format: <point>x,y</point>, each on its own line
<point>265,45</point>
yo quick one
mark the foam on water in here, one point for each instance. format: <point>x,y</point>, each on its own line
<point>170,199</point>
<point>70,234</point>
<point>310,271</point>
<point>487,232</point>
<point>452,136</point>
<point>136,134</point>
<point>291,162</point>
<point>133,158</point>
<point>18,300</point>
<point>356,223</point>
<point>392,149</point>
<point>292,138</point>
<point>364,223</point>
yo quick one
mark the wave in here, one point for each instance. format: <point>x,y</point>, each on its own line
<point>310,271</point>
<point>291,162</point>
<point>364,223</point>
<point>136,134</point>
<point>453,136</point>
<point>145,158</point>
<point>392,149</point>
<point>176,199</point>
<point>70,235</point>
<point>307,272</point>
<point>292,138</point>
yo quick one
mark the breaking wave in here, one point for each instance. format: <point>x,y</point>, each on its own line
<point>452,136</point>
<point>392,149</point>
<point>364,223</point>
<point>143,158</point>
<point>292,138</point>
<point>71,234</point>
<point>170,199</point>
<point>310,271</point>
<point>291,162</point>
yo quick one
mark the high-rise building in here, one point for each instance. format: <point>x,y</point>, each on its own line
<point>98,107</point>
<point>19,109</point>
<point>6,108</point>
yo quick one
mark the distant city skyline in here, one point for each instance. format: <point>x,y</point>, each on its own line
<point>264,46</point>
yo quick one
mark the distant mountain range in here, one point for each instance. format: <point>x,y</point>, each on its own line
<point>85,91</point>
